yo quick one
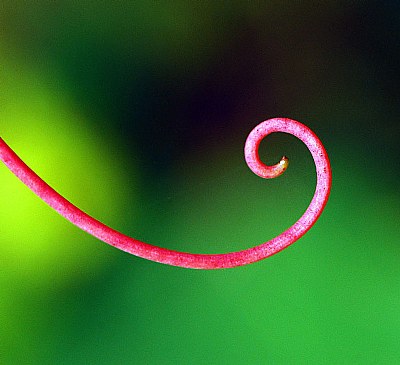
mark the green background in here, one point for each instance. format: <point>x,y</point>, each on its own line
<point>137,112</point>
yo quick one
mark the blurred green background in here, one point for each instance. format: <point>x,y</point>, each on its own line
<point>138,112</point>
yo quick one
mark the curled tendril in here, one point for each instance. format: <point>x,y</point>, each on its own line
<point>190,260</point>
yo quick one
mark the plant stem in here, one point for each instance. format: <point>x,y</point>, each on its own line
<point>190,260</point>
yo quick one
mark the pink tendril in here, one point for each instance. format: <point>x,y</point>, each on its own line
<point>190,260</point>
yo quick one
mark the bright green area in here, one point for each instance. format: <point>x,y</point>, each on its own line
<point>99,102</point>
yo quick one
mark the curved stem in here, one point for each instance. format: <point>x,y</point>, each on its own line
<point>190,260</point>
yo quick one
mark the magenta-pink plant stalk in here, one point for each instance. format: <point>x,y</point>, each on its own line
<point>190,260</point>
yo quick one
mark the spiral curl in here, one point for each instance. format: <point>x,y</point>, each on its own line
<point>191,260</point>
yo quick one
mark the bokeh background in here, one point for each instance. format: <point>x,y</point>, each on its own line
<point>138,112</point>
